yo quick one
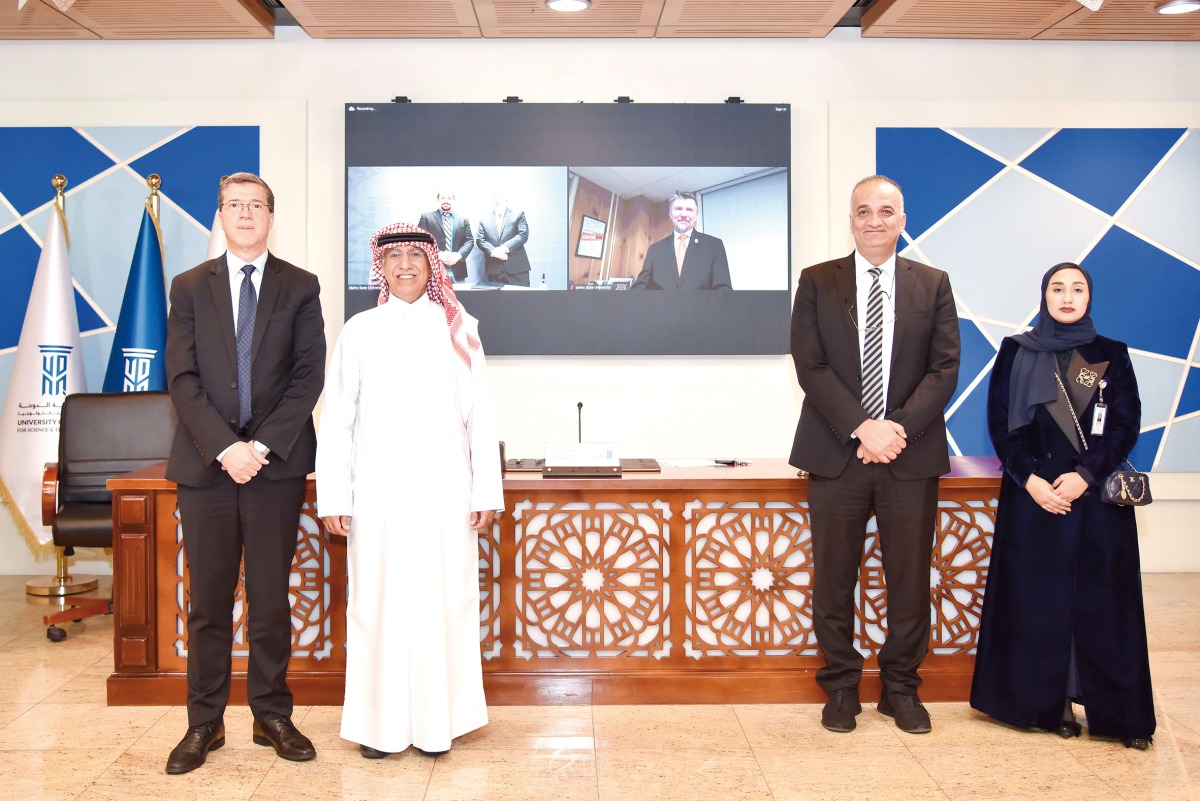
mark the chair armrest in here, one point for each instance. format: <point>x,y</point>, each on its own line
<point>49,493</point>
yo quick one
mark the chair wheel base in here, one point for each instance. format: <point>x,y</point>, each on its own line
<point>52,586</point>
<point>56,634</point>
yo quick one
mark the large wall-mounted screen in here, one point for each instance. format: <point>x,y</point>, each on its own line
<point>561,222</point>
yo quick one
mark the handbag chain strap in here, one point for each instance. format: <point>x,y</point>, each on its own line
<point>1070,406</point>
<point>1124,485</point>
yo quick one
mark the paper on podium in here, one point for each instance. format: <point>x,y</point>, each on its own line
<point>582,459</point>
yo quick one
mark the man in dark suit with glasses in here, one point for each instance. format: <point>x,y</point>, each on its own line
<point>245,364</point>
<point>875,342</point>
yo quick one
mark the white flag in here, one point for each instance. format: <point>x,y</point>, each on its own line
<point>216,240</point>
<point>48,367</point>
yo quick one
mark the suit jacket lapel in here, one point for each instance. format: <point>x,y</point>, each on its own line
<point>218,284</point>
<point>267,295</point>
<point>847,289</point>
<point>905,282</point>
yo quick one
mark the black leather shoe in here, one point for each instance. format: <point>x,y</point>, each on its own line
<point>372,753</point>
<point>908,711</point>
<point>1069,728</point>
<point>277,731</point>
<point>194,747</point>
<point>1140,743</point>
<point>841,709</point>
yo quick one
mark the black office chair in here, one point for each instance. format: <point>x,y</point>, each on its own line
<point>99,436</point>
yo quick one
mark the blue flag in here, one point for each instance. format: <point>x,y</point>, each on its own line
<point>136,362</point>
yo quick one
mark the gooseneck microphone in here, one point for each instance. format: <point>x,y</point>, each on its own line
<point>579,409</point>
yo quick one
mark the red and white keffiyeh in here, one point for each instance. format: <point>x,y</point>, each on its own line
<point>440,288</point>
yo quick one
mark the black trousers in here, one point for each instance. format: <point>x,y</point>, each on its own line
<point>839,509</point>
<point>222,525</point>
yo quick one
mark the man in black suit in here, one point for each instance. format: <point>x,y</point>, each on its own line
<point>502,237</point>
<point>876,346</point>
<point>453,234</point>
<point>687,259</point>
<point>245,364</point>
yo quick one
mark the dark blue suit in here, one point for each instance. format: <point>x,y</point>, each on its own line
<point>705,265</point>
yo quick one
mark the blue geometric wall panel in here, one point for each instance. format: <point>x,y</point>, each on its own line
<point>104,215</point>
<point>964,424</point>
<point>935,170</point>
<point>1008,143</point>
<point>976,352</point>
<point>18,263</point>
<point>197,160</point>
<point>1151,213</point>
<point>1131,301</point>
<point>127,143</point>
<point>1145,452</point>
<point>32,156</point>
<point>1179,453</point>
<point>1158,384</point>
<point>998,246</point>
<point>1102,166</point>
<point>1058,205</point>
<point>1189,403</point>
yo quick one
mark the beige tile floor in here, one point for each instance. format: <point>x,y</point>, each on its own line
<point>58,740</point>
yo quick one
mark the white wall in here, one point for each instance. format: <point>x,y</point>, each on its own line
<point>733,407</point>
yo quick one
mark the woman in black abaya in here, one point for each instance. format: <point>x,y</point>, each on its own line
<point>1063,621</point>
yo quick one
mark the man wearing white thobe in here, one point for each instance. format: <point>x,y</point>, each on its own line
<point>408,468</point>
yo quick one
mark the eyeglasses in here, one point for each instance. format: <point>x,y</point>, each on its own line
<point>253,206</point>
<point>888,306</point>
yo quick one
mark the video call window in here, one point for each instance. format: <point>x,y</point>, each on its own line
<point>544,210</point>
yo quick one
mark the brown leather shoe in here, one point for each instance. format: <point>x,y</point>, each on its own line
<point>194,747</point>
<point>277,731</point>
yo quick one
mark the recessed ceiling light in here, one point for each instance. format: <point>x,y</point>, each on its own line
<point>1178,7</point>
<point>568,5</point>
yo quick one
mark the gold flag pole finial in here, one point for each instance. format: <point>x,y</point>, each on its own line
<point>59,182</point>
<point>154,181</point>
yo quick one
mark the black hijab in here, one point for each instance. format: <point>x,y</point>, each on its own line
<point>1032,379</point>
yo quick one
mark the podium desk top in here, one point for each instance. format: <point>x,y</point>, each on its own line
<point>965,472</point>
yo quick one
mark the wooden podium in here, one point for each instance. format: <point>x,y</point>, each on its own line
<point>687,586</point>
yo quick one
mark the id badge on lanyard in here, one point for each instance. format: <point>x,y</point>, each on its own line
<point>1099,414</point>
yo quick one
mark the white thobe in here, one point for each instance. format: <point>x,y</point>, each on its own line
<point>408,449</point>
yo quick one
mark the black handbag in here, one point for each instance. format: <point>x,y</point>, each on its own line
<point>1120,487</point>
<point>1126,488</point>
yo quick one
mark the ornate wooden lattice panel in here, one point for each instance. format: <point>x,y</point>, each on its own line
<point>489,592</point>
<point>317,590</point>
<point>591,580</point>
<point>685,587</point>
<point>749,570</point>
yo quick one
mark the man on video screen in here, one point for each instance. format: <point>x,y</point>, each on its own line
<point>687,259</point>
<point>453,234</point>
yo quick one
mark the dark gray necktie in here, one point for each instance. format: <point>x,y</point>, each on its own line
<point>247,308</point>
<point>872,381</point>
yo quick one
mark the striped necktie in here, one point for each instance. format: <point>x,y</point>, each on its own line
<point>448,230</point>
<point>872,380</point>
